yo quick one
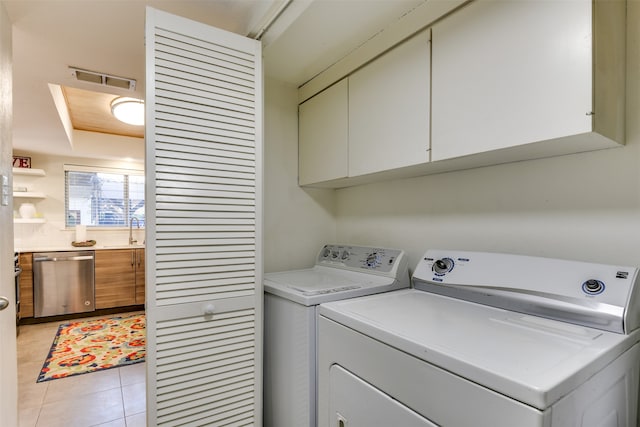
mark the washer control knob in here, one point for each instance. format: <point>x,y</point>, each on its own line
<point>326,252</point>
<point>345,255</point>
<point>443,266</point>
<point>335,254</point>
<point>593,286</point>
<point>373,259</point>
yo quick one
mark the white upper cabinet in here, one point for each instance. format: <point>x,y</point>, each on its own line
<point>323,136</point>
<point>511,73</point>
<point>389,103</point>
<point>375,120</point>
<point>492,82</point>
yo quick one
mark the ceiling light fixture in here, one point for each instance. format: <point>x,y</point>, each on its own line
<point>128,110</point>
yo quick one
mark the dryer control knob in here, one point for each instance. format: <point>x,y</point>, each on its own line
<point>373,259</point>
<point>443,266</point>
<point>345,255</point>
<point>593,286</point>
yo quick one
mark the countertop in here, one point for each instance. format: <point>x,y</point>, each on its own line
<point>69,247</point>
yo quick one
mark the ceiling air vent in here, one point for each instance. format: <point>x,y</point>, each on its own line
<point>103,79</point>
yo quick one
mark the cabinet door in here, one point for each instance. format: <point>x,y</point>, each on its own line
<point>115,278</point>
<point>509,73</point>
<point>323,136</point>
<point>389,102</point>
<point>26,285</point>
<point>140,276</point>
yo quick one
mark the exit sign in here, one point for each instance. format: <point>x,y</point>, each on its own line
<point>21,162</point>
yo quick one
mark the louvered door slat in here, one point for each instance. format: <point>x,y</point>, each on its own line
<point>175,390</point>
<point>214,47</point>
<point>183,380</point>
<point>179,152</point>
<point>213,128</point>
<point>227,393</point>
<point>203,242</point>
<point>169,254</point>
<point>198,272</point>
<point>211,145</point>
<point>211,190</point>
<point>205,200</point>
<point>207,53</point>
<point>184,133</point>
<point>199,256</point>
<point>204,348</point>
<point>226,353</point>
<point>209,151</point>
<point>233,332</point>
<point>167,160</point>
<point>171,114</point>
<point>189,291</point>
<point>171,98</point>
<point>199,223</point>
<point>212,182</point>
<point>229,279</point>
<point>204,262</point>
<point>211,113</point>
<point>193,264</point>
<point>200,173</point>
<point>218,417</point>
<point>194,297</point>
<point>226,89</point>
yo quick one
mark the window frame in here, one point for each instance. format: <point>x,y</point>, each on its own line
<point>126,173</point>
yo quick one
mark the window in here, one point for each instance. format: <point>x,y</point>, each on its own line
<point>99,197</point>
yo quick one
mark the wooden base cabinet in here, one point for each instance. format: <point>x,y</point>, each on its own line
<point>26,285</point>
<point>140,276</point>
<point>115,272</point>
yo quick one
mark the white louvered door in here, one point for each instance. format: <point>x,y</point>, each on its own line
<point>204,254</point>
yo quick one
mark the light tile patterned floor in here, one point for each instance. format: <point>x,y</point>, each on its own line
<point>111,398</point>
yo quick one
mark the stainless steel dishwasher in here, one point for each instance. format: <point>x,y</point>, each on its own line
<point>63,283</point>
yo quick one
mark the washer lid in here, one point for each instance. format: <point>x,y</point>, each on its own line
<point>321,284</point>
<point>532,359</point>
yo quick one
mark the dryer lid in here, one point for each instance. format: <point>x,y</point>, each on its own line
<point>531,359</point>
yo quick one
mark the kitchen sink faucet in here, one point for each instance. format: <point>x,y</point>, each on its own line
<point>131,240</point>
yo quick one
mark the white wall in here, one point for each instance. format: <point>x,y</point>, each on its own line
<point>297,221</point>
<point>583,206</point>
<point>53,233</point>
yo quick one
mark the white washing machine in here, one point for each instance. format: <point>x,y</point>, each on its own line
<point>291,301</point>
<point>485,339</point>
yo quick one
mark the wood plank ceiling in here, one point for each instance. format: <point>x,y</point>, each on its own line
<point>91,111</point>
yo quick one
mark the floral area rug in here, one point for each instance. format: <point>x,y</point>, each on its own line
<point>89,346</point>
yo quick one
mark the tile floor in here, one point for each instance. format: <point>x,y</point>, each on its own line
<point>110,398</point>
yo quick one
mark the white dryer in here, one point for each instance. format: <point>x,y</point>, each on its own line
<point>290,321</point>
<point>485,339</point>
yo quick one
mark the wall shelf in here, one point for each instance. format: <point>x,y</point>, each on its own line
<point>28,171</point>
<point>29,220</point>
<point>28,195</point>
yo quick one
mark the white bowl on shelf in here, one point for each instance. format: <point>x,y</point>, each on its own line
<point>27,210</point>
